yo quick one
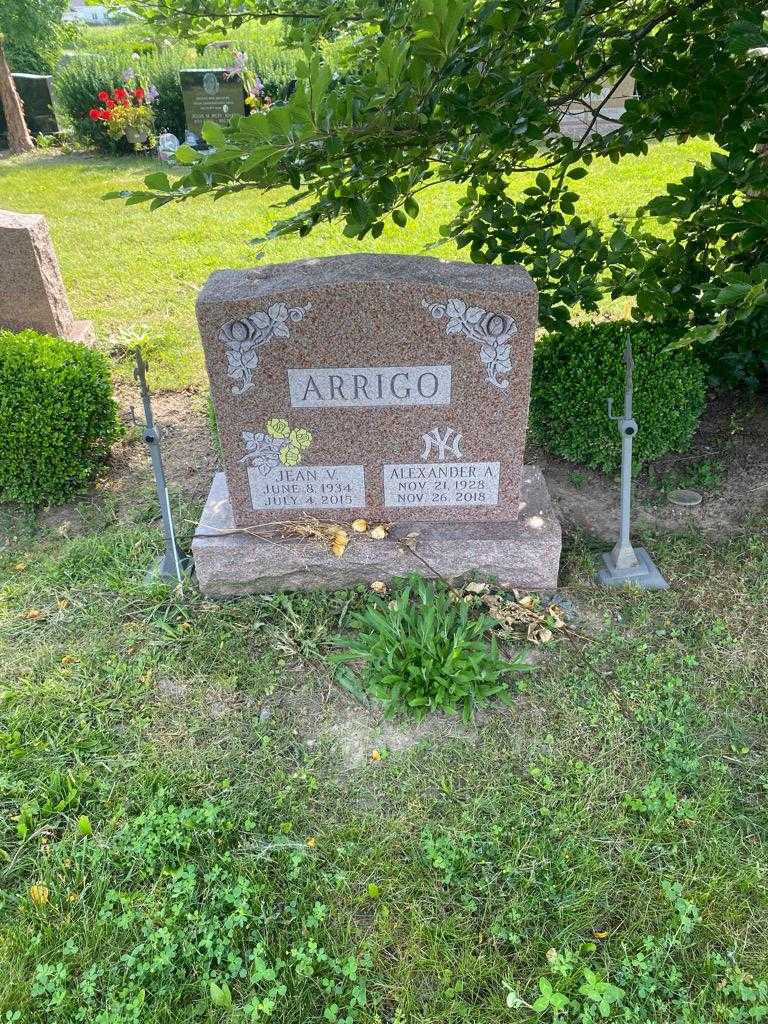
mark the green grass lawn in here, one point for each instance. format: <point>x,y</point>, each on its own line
<point>177,845</point>
<point>182,840</point>
<point>137,273</point>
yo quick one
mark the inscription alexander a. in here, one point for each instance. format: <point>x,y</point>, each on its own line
<point>308,487</point>
<point>365,386</point>
<point>449,483</point>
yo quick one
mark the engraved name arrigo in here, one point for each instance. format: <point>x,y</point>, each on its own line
<point>344,386</point>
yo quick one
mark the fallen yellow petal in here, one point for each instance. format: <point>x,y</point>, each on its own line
<point>379,587</point>
<point>32,613</point>
<point>600,935</point>
<point>527,601</point>
<point>360,525</point>
<point>379,532</point>
<point>39,894</point>
<point>20,567</point>
<point>339,542</point>
<point>312,842</point>
<point>375,755</point>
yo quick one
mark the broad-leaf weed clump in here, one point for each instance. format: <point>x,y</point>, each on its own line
<point>425,650</point>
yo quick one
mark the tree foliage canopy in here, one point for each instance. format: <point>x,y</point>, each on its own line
<point>473,92</point>
<point>33,33</point>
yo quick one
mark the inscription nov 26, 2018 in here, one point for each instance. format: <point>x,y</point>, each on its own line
<point>408,485</point>
<point>360,386</point>
<point>321,488</point>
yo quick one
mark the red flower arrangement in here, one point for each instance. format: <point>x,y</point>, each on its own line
<point>119,95</point>
<point>127,113</point>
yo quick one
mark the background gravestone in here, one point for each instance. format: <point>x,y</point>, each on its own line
<point>36,93</point>
<point>32,293</point>
<point>578,119</point>
<point>209,96</point>
<point>390,388</point>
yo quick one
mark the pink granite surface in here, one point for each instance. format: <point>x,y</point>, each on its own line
<point>32,293</point>
<point>372,311</point>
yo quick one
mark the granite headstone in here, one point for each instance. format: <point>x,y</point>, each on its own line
<point>32,293</point>
<point>388,388</point>
<point>36,93</point>
<point>209,95</point>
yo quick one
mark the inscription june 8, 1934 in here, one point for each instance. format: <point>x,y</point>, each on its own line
<point>406,485</point>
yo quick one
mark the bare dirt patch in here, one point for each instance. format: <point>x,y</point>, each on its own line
<point>731,442</point>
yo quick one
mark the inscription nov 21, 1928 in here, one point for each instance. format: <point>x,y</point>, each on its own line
<point>359,386</point>
<point>444,484</point>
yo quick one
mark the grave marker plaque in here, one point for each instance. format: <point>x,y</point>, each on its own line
<point>209,96</point>
<point>32,293</point>
<point>36,93</point>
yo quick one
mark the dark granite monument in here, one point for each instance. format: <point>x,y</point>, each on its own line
<point>389,388</point>
<point>35,92</point>
<point>210,96</point>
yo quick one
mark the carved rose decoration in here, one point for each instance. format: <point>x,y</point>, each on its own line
<point>491,331</point>
<point>243,338</point>
<point>276,446</point>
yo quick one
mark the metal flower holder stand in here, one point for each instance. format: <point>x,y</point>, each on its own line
<point>626,564</point>
<point>173,565</point>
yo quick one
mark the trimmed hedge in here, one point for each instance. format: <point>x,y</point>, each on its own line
<point>574,373</point>
<point>57,417</point>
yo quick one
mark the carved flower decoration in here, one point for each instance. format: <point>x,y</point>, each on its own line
<point>263,452</point>
<point>491,331</point>
<point>277,446</point>
<point>242,339</point>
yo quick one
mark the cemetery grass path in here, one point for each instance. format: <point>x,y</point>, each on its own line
<point>136,274</point>
<point>168,790</point>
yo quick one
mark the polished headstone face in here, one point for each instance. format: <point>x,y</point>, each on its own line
<point>382,387</point>
<point>36,93</point>
<point>209,96</point>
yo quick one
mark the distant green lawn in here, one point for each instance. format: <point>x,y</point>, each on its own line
<point>130,270</point>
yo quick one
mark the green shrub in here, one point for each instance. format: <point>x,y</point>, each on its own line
<point>738,358</point>
<point>574,373</point>
<point>424,652</point>
<point>57,416</point>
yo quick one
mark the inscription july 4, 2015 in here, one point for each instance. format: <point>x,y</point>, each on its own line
<point>411,485</point>
<point>322,488</point>
<point>360,386</point>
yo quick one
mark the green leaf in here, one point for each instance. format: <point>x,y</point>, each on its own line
<point>221,996</point>
<point>213,134</point>
<point>185,154</point>
<point>158,181</point>
<point>411,207</point>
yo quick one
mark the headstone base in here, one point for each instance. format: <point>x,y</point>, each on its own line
<point>523,554</point>
<point>644,575</point>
